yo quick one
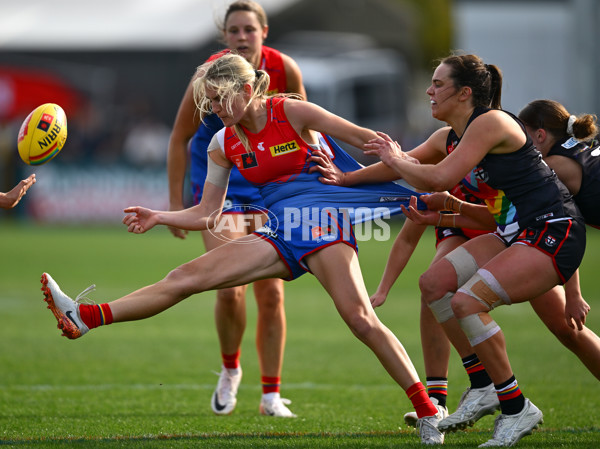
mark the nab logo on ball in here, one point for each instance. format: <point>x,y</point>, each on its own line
<point>42,134</point>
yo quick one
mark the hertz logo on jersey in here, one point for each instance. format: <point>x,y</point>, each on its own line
<point>284,148</point>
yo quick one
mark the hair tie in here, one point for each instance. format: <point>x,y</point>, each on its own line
<point>258,74</point>
<point>570,123</point>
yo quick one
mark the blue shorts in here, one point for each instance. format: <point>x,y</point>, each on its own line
<point>293,241</point>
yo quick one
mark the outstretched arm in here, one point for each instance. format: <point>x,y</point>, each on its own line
<point>11,199</point>
<point>431,151</point>
<point>332,175</point>
<point>197,218</point>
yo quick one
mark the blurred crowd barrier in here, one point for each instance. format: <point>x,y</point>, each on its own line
<point>94,194</point>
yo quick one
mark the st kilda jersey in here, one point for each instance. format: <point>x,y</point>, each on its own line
<point>518,187</point>
<point>589,160</point>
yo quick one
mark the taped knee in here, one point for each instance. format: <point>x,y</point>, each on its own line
<point>464,264</point>
<point>476,329</point>
<point>441,308</point>
<point>484,287</point>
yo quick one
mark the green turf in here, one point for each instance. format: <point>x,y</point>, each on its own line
<point>148,384</point>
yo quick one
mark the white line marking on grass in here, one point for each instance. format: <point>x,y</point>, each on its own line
<point>102,387</point>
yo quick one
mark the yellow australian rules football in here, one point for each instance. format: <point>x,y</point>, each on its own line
<point>42,134</point>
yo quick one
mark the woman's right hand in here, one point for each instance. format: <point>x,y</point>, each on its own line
<point>378,298</point>
<point>330,173</point>
<point>139,219</point>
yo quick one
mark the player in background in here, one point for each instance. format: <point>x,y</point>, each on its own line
<point>244,31</point>
<point>567,144</point>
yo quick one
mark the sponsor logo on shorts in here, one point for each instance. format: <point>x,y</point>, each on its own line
<point>550,241</point>
<point>327,233</point>
<point>545,217</point>
<point>268,232</point>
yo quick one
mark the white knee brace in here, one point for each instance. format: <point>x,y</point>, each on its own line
<point>465,266</point>
<point>441,308</point>
<point>484,287</point>
<point>476,330</point>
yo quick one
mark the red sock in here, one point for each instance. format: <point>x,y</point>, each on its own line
<point>270,384</point>
<point>420,401</point>
<point>231,361</point>
<point>95,315</point>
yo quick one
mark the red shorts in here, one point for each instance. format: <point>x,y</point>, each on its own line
<point>442,234</point>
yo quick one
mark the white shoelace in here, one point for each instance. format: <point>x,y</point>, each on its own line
<point>82,299</point>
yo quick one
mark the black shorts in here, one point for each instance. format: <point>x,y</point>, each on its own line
<point>562,240</point>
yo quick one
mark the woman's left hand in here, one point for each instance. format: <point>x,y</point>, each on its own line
<point>426,217</point>
<point>330,173</point>
<point>576,310</point>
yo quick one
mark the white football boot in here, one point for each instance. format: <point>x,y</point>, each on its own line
<point>428,430</point>
<point>411,418</point>
<point>474,404</point>
<point>65,310</point>
<point>509,429</point>
<point>224,398</point>
<point>272,404</point>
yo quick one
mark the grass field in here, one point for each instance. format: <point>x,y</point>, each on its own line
<point>148,384</point>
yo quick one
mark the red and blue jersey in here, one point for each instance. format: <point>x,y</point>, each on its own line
<point>272,63</point>
<point>278,163</point>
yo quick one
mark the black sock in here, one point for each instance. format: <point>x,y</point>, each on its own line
<point>437,387</point>
<point>477,374</point>
<point>512,400</point>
